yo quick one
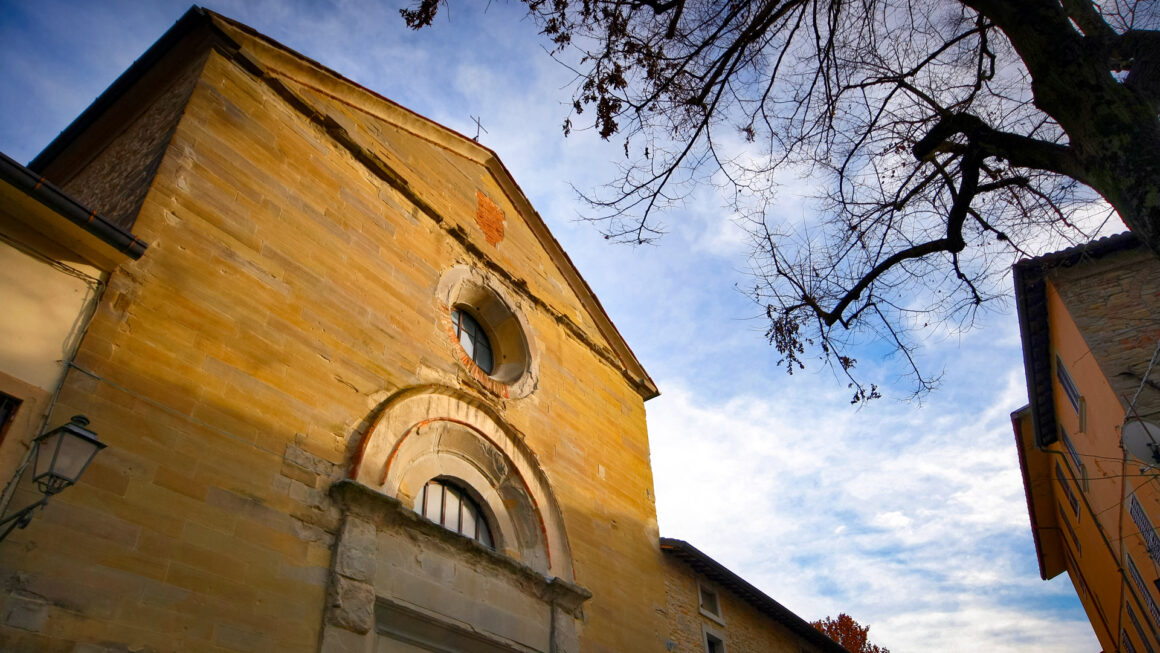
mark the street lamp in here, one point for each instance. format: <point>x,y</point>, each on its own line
<point>62,455</point>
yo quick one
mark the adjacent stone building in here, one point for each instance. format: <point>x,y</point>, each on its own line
<point>710,608</point>
<point>356,397</point>
<point>1090,321</point>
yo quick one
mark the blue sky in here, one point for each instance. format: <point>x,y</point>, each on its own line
<point>909,517</point>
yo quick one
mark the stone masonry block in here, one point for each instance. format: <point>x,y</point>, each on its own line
<point>337,640</point>
<point>564,635</point>
<point>248,507</point>
<point>281,484</point>
<point>25,613</point>
<point>351,605</point>
<point>308,532</point>
<point>303,458</point>
<point>236,638</point>
<point>299,473</point>
<point>317,576</point>
<point>357,550</point>
<point>306,494</point>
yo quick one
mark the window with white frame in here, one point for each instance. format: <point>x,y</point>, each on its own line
<point>710,603</point>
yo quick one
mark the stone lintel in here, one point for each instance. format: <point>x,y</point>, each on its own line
<point>565,595</point>
<point>357,500</point>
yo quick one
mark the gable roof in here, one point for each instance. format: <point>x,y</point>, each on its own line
<point>718,573</point>
<point>261,56</point>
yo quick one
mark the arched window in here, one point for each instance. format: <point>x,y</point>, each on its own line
<point>473,339</point>
<point>451,507</point>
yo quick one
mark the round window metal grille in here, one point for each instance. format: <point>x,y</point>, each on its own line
<point>452,508</point>
<point>473,338</point>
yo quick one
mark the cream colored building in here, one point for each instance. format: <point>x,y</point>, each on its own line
<point>356,397</point>
<point>55,258</point>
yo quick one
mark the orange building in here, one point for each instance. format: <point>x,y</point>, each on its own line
<point>1090,323</point>
<point>356,397</point>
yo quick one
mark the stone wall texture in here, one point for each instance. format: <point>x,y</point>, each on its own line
<point>1115,302</point>
<point>288,290</point>
<point>742,628</point>
<point>114,178</point>
<point>299,227</point>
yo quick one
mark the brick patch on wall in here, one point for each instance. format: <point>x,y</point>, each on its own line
<point>489,217</point>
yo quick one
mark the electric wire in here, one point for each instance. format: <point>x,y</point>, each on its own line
<point>96,289</point>
<point>1144,380</point>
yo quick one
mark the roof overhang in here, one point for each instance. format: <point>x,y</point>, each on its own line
<point>32,209</point>
<point>1035,466</point>
<point>718,573</point>
<point>1031,278</point>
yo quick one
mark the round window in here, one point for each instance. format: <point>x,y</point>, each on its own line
<point>490,330</point>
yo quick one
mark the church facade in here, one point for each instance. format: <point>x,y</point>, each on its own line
<point>356,397</point>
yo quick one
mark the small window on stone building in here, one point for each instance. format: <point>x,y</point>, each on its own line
<point>491,336</point>
<point>709,602</point>
<point>714,644</point>
<point>453,508</point>
<point>473,339</point>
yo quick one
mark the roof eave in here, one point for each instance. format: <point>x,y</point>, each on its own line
<point>1031,306</point>
<point>1016,424</point>
<point>702,563</point>
<point>57,216</point>
<point>1030,280</point>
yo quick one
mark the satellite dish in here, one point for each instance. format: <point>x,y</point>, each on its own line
<point>1142,440</point>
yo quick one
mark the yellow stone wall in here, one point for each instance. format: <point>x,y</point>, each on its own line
<point>287,291</point>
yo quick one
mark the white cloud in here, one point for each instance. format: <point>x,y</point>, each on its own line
<point>893,520</point>
<point>910,518</point>
<point>925,537</point>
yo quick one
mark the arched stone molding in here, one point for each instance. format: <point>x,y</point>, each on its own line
<point>516,370</point>
<point>434,431</point>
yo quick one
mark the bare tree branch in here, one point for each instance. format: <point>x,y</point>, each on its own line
<point>945,138</point>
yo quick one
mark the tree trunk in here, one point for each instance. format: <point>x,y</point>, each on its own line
<point>1112,125</point>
